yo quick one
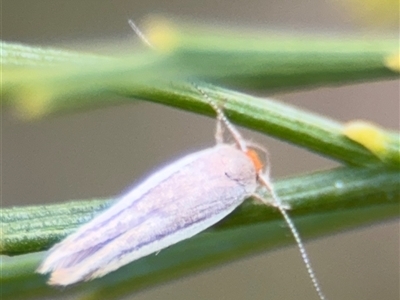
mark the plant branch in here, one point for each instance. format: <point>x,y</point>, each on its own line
<point>51,80</point>
<point>305,129</point>
<point>335,200</point>
<point>36,228</point>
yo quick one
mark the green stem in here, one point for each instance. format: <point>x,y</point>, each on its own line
<point>29,229</point>
<point>317,133</point>
<point>206,250</point>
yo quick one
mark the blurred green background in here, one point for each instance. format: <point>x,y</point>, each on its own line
<point>101,152</point>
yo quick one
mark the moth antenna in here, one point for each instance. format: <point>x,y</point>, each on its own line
<point>222,118</point>
<point>278,203</point>
<point>140,34</point>
<point>264,179</point>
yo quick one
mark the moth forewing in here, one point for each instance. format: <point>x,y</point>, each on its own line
<point>174,204</point>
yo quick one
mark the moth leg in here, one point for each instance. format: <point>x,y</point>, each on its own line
<point>219,131</point>
<point>270,202</point>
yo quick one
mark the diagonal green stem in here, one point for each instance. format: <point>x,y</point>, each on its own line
<point>317,133</point>
<point>35,228</point>
<point>335,200</point>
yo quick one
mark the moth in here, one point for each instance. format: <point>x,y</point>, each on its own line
<point>174,204</point>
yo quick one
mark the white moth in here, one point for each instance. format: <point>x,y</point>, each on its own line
<point>172,205</point>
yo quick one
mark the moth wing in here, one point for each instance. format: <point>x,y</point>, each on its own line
<point>176,204</point>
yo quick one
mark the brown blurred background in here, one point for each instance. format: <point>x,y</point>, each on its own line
<point>99,153</point>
